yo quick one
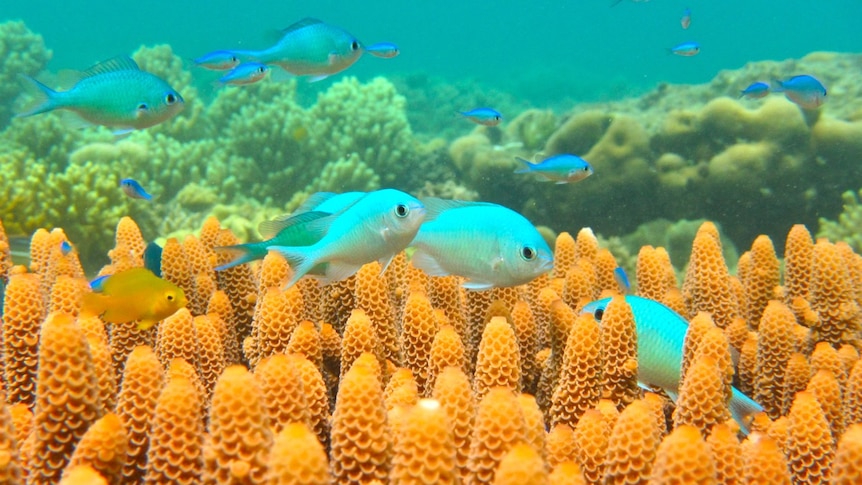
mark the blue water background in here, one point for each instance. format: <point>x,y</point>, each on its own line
<point>540,51</point>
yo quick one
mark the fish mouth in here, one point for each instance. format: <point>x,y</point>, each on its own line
<point>545,264</point>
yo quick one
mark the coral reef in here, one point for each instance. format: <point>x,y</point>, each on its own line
<point>21,52</point>
<point>533,362</point>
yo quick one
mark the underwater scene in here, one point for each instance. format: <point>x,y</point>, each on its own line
<point>616,241</point>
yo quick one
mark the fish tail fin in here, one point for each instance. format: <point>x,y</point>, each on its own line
<point>743,409</point>
<point>241,253</point>
<point>775,86</point>
<point>43,98</point>
<point>301,261</point>
<point>95,304</point>
<point>526,165</point>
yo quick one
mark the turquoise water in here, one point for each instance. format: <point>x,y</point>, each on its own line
<point>540,50</point>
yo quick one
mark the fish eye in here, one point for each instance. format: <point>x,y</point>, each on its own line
<point>401,210</point>
<point>528,253</point>
<point>143,107</point>
<point>171,98</point>
<point>598,314</point>
<point>170,297</point>
<point>355,45</point>
<point>261,69</point>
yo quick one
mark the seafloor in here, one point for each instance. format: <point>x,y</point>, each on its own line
<point>403,378</point>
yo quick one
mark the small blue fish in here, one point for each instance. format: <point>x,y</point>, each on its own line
<point>686,49</point>
<point>134,190</point>
<point>483,116</point>
<point>376,227</point>
<point>755,90</point>
<point>65,248</point>
<point>685,21</point>
<point>562,169</point>
<point>661,334</point>
<point>386,50</point>
<point>622,280</point>
<point>245,73</point>
<point>804,90</point>
<point>490,245</point>
<point>218,61</point>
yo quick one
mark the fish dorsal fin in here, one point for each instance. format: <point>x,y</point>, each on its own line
<point>270,229</point>
<point>127,281</point>
<point>313,201</point>
<point>434,206</point>
<point>300,24</point>
<point>119,63</point>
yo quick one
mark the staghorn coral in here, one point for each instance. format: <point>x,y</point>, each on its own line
<point>498,428</point>
<point>683,458</point>
<point>103,447</point>
<point>143,377</point>
<point>176,441</point>
<point>424,451</point>
<point>452,389</point>
<point>810,447</point>
<point>297,458</point>
<point>522,464</point>
<point>498,362</point>
<point>23,313</point>
<point>580,385</point>
<point>634,434</point>
<point>281,388</point>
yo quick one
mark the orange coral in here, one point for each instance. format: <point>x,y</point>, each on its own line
<point>221,306</point>
<point>762,279</point>
<point>275,317</point>
<point>446,350</point>
<point>683,458</point>
<point>567,473</point>
<point>5,255</point>
<point>281,389</point>
<point>297,458</point>
<point>619,353</point>
<point>560,445</point>
<point>178,338</point>
<point>361,448</point>
<point>452,389</point>
<point>798,257</point>
<point>201,261</point>
<point>239,284</point>
<point>534,423</point>
<point>832,295</point>
<point>827,390</point>
<point>701,400</point>
<point>763,462</point>
<point>67,396</point>
<point>564,254</point>
<point>591,437</point>
<point>809,441</point>
<point>581,284</point>
<point>306,341</point>
<point>847,467</point>
<point>655,275</point>
<point>23,310</point>
<point>359,337</point>
<point>315,396</point>
<point>825,357</point>
<point>372,296</point>
<point>528,341</point>
<point>498,361</point>
<point>499,426</point>
<point>10,468</point>
<point>142,381</point>
<point>401,390</point>
<point>521,465</point>
<point>726,454</point>
<point>418,328</point>
<point>67,295</point>
<point>240,436</point>
<point>796,376</point>
<point>853,395</point>
<point>774,346</point>
<point>83,475</point>
<point>424,450</point>
<point>697,328</point>
<point>707,284</point>
<point>175,453</point>
<point>579,387</point>
<point>210,359</point>
<point>103,447</point>
<point>635,434</point>
<point>445,295</point>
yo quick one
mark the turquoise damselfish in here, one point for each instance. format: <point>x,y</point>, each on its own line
<point>292,229</point>
<point>561,169</point>
<point>309,48</point>
<point>115,94</point>
<point>661,334</point>
<point>245,73</point>
<point>376,227</point>
<point>488,244</point>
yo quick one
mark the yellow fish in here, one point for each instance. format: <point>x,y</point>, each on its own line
<point>135,294</point>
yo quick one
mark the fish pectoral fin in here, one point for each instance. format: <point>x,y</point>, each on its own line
<point>477,285</point>
<point>320,77</point>
<point>338,271</point>
<point>384,262</point>
<point>95,304</point>
<point>122,133</point>
<point>427,263</point>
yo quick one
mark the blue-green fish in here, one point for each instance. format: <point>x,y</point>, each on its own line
<point>115,94</point>
<point>755,90</point>
<point>292,229</point>
<point>134,189</point>
<point>804,90</point>
<point>218,61</point>
<point>661,334</point>
<point>562,169</point>
<point>686,49</point>
<point>374,228</point>
<point>488,244</point>
<point>386,50</point>
<point>310,48</point>
<point>245,73</point>
<point>483,116</point>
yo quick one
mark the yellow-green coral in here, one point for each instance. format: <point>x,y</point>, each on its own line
<point>848,227</point>
<point>21,52</point>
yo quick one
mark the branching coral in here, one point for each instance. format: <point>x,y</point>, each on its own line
<point>21,52</point>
